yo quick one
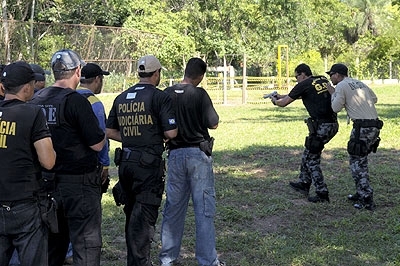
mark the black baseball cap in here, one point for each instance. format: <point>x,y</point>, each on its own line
<point>39,70</point>
<point>91,70</point>
<point>66,59</point>
<point>17,73</point>
<point>338,68</point>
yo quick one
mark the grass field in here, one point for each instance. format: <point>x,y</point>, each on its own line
<point>260,220</point>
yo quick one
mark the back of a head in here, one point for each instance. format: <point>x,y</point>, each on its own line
<point>90,71</point>
<point>303,68</point>
<point>41,73</point>
<point>65,60</point>
<point>195,68</point>
<point>147,65</point>
<point>15,75</point>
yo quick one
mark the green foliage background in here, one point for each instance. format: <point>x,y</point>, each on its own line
<point>363,34</point>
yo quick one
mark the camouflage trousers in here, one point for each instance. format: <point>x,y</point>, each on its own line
<point>310,169</point>
<point>359,164</point>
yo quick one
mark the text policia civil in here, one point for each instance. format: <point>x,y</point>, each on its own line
<point>6,128</point>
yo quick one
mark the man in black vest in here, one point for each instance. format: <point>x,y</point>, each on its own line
<point>77,138</point>
<point>141,118</point>
<point>25,147</point>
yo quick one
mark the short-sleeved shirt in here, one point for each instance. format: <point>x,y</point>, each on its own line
<point>21,125</point>
<point>77,130</point>
<point>142,114</point>
<point>314,93</point>
<point>356,97</point>
<point>99,111</point>
<point>195,114</point>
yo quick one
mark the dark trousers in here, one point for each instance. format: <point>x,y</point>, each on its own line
<point>21,228</point>
<point>144,186</point>
<point>79,220</point>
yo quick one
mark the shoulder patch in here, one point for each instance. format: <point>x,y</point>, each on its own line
<point>131,95</point>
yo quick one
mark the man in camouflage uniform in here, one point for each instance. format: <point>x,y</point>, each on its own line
<point>359,101</point>
<point>322,125</point>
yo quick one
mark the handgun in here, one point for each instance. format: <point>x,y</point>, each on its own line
<point>270,95</point>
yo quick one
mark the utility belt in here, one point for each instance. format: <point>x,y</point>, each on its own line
<point>76,179</point>
<point>313,124</point>
<point>358,123</point>
<point>145,158</point>
<point>358,147</point>
<point>205,146</point>
<point>130,155</point>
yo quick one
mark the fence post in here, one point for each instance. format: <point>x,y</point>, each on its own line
<point>225,81</point>
<point>244,85</point>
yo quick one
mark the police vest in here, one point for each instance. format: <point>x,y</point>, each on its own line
<point>65,135</point>
<point>138,118</point>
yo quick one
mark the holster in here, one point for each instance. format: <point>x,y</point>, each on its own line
<point>119,194</point>
<point>207,146</point>
<point>117,156</point>
<point>312,125</point>
<point>105,185</point>
<point>48,210</point>
<point>375,146</point>
<point>47,203</point>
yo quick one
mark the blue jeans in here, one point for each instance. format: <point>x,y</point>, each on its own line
<point>22,229</point>
<point>190,173</point>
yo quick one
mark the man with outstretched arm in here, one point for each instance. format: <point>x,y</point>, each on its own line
<point>322,127</point>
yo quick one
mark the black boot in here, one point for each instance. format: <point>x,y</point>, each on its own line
<point>366,203</point>
<point>319,197</point>
<point>301,187</point>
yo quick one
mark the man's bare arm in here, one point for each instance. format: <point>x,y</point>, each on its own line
<point>45,151</point>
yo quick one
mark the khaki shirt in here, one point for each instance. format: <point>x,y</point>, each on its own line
<point>356,97</point>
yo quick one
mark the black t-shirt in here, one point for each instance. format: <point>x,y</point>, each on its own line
<point>21,125</point>
<point>142,114</point>
<point>74,128</point>
<point>195,113</point>
<point>315,96</point>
